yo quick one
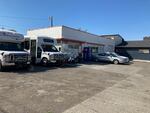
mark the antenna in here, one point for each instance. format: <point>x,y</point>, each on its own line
<point>51,20</point>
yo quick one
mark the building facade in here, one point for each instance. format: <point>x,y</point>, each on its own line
<point>74,41</point>
<point>135,49</point>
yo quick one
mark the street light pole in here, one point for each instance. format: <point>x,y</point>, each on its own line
<point>51,20</point>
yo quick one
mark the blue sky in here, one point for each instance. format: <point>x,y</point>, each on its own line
<point>129,18</point>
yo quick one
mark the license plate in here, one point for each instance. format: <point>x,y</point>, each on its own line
<point>53,61</point>
<point>20,60</point>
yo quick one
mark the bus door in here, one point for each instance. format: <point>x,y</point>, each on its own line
<point>33,50</point>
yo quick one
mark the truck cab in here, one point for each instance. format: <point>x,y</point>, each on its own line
<point>43,50</point>
<point>11,50</point>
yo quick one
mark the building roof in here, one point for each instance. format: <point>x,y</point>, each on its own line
<point>80,30</point>
<point>115,36</point>
<point>147,38</point>
<point>77,34</point>
<point>111,35</point>
<point>135,44</point>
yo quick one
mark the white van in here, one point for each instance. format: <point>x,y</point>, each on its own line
<point>11,50</point>
<point>43,50</point>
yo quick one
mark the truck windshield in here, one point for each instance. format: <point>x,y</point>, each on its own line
<point>7,46</point>
<point>49,48</point>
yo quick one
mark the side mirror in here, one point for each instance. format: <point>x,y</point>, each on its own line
<point>25,49</point>
<point>59,49</point>
<point>2,53</point>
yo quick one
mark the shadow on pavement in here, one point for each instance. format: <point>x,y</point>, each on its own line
<point>39,68</point>
<point>96,63</point>
<point>31,69</point>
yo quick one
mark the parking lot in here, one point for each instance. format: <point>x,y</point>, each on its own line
<point>77,88</point>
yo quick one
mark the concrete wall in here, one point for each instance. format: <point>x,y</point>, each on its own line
<point>54,32</point>
<point>75,34</point>
<point>134,53</point>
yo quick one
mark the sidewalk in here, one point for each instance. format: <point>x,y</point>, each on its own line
<point>137,60</point>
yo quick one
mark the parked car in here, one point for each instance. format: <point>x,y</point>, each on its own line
<point>110,57</point>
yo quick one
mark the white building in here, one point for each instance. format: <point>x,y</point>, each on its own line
<point>74,41</point>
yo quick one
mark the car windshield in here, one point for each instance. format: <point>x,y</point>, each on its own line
<point>49,48</point>
<point>114,54</point>
<point>7,46</point>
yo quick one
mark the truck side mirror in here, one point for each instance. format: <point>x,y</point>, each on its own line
<point>59,49</point>
<point>2,53</point>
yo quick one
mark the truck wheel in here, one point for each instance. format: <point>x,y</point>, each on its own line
<point>44,61</point>
<point>60,63</point>
<point>1,67</point>
<point>116,62</point>
<point>33,60</point>
<point>27,67</point>
<point>96,60</point>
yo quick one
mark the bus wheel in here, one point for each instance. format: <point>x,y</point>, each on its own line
<point>44,61</point>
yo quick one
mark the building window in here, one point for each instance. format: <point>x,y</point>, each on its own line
<point>59,41</point>
<point>144,51</point>
<point>73,46</point>
<point>27,45</point>
<point>94,49</point>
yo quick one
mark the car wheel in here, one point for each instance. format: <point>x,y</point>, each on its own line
<point>116,62</point>
<point>1,67</point>
<point>44,61</point>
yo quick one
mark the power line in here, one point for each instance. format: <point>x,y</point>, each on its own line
<point>2,26</point>
<point>23,18</point>
<point>50,18</point>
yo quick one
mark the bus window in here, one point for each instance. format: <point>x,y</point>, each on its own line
<point>27,45</point>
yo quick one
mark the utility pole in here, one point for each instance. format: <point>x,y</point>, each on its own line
<point>51,20</point>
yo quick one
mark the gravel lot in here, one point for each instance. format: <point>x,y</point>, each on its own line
<point>63,89</point>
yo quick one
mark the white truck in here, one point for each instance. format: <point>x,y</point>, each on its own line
<point>42,50</point>
<point>11,50</point>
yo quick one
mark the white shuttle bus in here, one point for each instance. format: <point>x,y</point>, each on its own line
<point>42,50</point>
<point>11,50</point>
